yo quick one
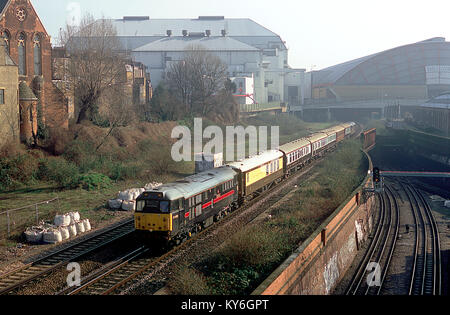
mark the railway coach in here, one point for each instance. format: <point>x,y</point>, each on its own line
<point>258,173</point>
<point>175,211</point>
<point>296,154</point>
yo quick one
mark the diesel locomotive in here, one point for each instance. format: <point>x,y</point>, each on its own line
<point>174,211</point>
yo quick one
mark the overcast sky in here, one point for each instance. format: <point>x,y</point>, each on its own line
<point>318,33</point>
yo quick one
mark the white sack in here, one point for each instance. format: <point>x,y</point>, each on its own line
<point>87,225</point>
<point>80,227</point>
<point>128,206</point>
<point>52,237</point>
<point>73,230</point>
<point>34,236</point>
<point>115,204</point>
<point>64,233</point>
<point>62,220</point>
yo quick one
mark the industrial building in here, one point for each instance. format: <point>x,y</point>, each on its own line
<point>418,71</point>
<point>433,114</point>
<point>251,52</point>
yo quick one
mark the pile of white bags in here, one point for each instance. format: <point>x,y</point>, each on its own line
<point>126,200</point>
<point>65,226</point>
<point>152,186</point>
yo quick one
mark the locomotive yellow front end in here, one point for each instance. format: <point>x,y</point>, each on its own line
<point>154,218</point>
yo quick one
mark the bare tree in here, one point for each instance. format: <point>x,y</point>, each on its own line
<point>96,63</point>
<point>117,111</point>
<point>196,78</point>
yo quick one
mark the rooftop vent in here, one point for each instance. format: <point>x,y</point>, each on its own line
<point>185,32</point>
<point>224,33</point>
<point>169,33</point>
<point>136,18</point>
<point>211,18</point>
<point>208,33</point>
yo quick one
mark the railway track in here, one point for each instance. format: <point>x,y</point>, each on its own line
<point>43,266</point>
<point>376,261</point>
<point>426,269</point>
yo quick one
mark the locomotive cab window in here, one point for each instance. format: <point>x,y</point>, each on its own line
<point>153,206</point>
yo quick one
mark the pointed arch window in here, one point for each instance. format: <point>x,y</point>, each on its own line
<point>7,39</point>
<point>37,55</point>
<point>22,54</point>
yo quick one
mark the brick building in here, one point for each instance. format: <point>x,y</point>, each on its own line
<point>28,44</point>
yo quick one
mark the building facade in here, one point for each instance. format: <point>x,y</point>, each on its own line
<point>9,104</point>
<point>28,44</point>
<point>247,48</point>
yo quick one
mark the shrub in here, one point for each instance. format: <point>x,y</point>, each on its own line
<point>64,173</point>
<point>94,181</point>
<point>236,282</point>
<point>17,170</point>
<point>188,281</point>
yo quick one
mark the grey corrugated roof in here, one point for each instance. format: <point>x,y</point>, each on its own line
<point>210,43</point>
<point>159,27</point>
<point>195,184</point>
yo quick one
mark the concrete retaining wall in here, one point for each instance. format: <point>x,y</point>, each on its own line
<point>318,265</point>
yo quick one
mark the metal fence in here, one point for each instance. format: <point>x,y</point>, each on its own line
<point>15,221</point>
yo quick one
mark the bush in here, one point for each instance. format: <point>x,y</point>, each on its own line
<point>94,181</point>
<point>64,173</point>
<point>188,281</point>
<point>17,170</point>
<point>236,282</point>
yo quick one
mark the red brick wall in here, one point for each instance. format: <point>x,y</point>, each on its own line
<point>53,105</point>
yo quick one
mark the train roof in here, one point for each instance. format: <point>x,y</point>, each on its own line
<point>348,124</point>
<point>196,184</point>
<point>317,136</point>
<point>334,129</point>
<point>295,145</point>
<point>256,161</point>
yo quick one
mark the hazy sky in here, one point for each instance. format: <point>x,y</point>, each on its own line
<point>319,33</point>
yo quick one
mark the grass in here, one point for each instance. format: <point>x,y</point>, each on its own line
<point>249,256</point>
